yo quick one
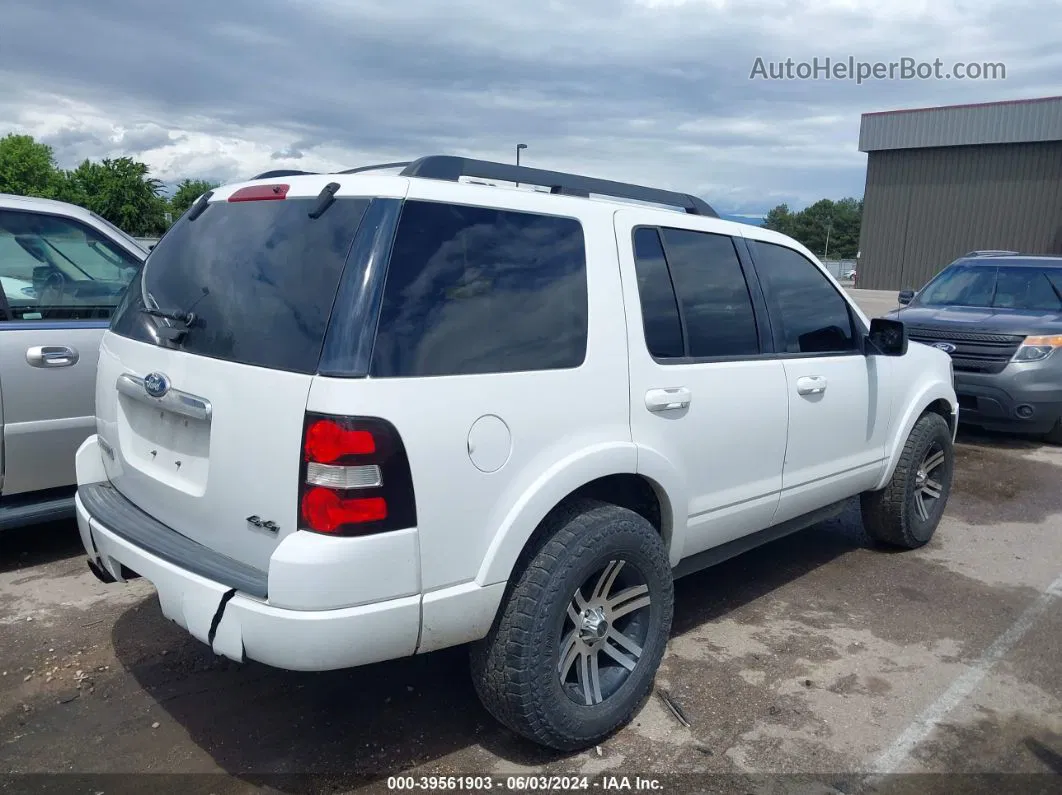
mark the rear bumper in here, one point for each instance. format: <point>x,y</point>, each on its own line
<point>1021,399</point>
<point>248,628</point>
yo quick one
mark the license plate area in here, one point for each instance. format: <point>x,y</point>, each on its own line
<point>168,446</point>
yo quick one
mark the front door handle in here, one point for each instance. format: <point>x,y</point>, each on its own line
<point>668,399</point>
<point>811,385</point>
<point>52,356</point>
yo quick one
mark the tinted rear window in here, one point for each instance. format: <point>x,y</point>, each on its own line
<point>479,290</point>
<point>260,276</point>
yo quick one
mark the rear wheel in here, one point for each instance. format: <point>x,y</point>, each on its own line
<point>907,511</point>
<point>574,650</point>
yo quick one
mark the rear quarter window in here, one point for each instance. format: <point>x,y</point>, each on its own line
<point>479,290</point>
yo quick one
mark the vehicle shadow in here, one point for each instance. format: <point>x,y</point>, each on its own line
<point>37,545</point>
<point>291,731</point>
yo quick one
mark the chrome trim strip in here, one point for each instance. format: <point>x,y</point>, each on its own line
<point>175,400</point>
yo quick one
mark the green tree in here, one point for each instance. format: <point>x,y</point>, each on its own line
<point>187,192</point>
<point>27,168</point>
<point>779,219</point>
<point>827,227</point>
<point>123,192</point>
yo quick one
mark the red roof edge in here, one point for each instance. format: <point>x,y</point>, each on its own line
<point>967,105</point>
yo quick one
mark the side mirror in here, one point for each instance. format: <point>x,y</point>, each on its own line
<point>905,297</point>
<point>887,337</point>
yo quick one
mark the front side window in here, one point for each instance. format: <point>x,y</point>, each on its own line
<point>55,268</point>
<point>714,295</point>
<point>812,315</point>
<point>479,290</point>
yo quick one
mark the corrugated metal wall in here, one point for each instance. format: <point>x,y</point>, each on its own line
<point>963,125</point>
<point>922,208</point>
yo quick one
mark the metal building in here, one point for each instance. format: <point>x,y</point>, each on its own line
<point>945,181</point>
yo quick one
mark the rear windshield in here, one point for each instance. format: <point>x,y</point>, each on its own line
<point>259,276</point>
<point>1028,288</point>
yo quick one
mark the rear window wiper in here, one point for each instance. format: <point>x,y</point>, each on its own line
<point>184,318</point>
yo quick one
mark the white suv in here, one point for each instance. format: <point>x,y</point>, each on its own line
<point>351,417</point>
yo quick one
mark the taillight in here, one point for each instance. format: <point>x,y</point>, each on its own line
<point>355,477</point>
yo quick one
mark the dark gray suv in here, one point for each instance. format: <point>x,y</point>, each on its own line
<point>999,315</point>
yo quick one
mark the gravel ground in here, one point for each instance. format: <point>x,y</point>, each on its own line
<point>815,661</point>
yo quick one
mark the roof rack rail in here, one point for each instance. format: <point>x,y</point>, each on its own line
<point>992,253</point>
<point>375,167</point>
<point>451,169</point>
<point>282,172</point>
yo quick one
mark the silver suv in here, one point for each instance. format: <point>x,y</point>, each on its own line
<point>62,271</point>
<point>999,315</point>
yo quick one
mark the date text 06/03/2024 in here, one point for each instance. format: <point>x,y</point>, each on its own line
<point>522,783</point>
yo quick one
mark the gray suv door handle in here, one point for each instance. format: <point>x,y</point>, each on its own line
<point>52,356</point>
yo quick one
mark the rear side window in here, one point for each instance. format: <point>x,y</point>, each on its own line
<point>479,290</point>
<point>260,276</point>
<point>714,295</point>
<point>813,316</point>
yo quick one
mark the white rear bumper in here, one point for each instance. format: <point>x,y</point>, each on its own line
<point>298,640</point>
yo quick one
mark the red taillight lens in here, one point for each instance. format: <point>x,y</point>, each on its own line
<point>354,479</point>
<point>259,193</point>
<point>325,511</point>
<point>328,441</point>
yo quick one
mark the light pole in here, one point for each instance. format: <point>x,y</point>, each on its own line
<point>829,227</point>
<point>518,148</point>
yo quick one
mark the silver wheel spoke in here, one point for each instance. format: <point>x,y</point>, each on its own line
<point>932,489</point>
<point>569,651</point>
<point>620,639</point>
<point>607,578</point>
<point>573,613</point>
<point>627,661</point>
<point>920,504</point>
<point>595,677</point>
<point>933,461</point>
<point>628,600</point>
<point>589,680</point>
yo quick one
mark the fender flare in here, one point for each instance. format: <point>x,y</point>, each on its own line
<point>935,390</point>
<point>549,489</point>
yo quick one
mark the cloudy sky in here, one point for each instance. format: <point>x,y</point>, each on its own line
<point>654,91</point>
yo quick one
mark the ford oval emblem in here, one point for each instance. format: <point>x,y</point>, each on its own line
<point>947,347</point>
<point>156,384</point>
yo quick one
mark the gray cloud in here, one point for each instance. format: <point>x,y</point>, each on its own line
<point>655,91</point>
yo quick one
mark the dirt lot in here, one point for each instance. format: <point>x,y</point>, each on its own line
<point>816,655</point>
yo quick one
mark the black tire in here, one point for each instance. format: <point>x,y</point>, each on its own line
<point>1054,436</point>
<point>515,668</point>
<point>892,515</point>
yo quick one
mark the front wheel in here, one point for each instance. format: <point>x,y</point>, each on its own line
<point>907,511</point>
<point>574,651</point>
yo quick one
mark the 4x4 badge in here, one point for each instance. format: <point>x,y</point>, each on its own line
<point>156,384</point>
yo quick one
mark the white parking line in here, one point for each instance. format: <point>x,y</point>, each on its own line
<point>896,754</point>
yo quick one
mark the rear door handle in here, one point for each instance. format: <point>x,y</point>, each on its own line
<point>811,385</point>
<point>668,399</point>
<point>52,356</point>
